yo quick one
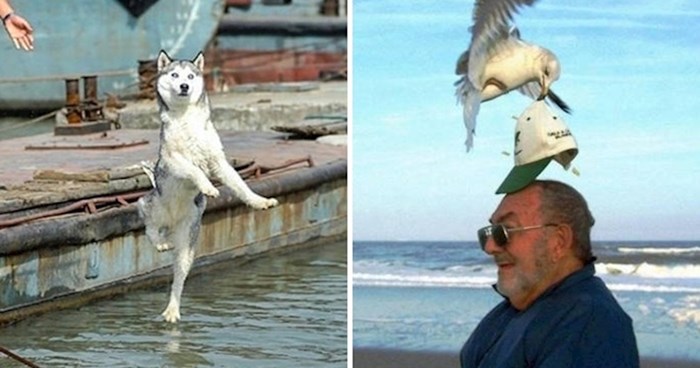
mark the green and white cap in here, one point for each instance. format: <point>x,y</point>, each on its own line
<point>540,136</point>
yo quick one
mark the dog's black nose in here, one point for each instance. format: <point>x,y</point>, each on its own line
<point>184,87</point>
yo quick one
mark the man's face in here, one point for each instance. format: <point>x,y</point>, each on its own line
<point>524,265</point>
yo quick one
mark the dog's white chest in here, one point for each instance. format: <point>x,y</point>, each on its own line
<point>192,136</point>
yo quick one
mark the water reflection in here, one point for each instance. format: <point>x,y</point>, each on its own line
<point>287,309</point>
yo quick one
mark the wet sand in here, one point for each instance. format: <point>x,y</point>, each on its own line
<point>387,358</point>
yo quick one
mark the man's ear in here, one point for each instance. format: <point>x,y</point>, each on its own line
<point>562,241</point>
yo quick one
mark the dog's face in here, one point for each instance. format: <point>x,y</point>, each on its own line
<point>180,81</point>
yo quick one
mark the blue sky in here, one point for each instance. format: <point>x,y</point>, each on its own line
<point>630,72</point>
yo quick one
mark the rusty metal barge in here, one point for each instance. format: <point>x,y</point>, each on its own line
<point>245,42</point>
<point>70,232</point>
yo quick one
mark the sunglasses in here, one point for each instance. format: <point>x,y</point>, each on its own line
<point>500,233</point>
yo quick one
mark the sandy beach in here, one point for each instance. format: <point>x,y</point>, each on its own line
<point>385,358</point>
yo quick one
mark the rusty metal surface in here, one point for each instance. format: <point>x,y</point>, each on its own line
<point>17,165</point>
<point>33,179</point>
<point>64,275</point>
<point>96,226</point>
<point>100,143</point>
<point>73,101</point>
<point>313,131</point>
<point>148,71</point>
<point>32,207</point>
<point>91,106</point>
<point>30,81</point>
<point>101,250</point>
<point>89,205</point>
<point>83,128</point>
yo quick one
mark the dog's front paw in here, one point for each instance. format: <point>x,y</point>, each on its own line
<point>211,191</point>
<point>163,247</point>
<point>171,314</point>
<point>264,203</point>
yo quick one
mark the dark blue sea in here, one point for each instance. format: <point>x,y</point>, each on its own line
<point>429,296</point>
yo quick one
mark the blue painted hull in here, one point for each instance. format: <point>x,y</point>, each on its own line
<point>74,38</point>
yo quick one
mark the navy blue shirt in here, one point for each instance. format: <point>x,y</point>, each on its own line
<point>575,323</point>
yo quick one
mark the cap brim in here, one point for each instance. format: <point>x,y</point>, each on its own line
<point>522,175</point>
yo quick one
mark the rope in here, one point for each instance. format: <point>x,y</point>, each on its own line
<point>61,77</point>
<point>30,122</point>
<point>17,358</point>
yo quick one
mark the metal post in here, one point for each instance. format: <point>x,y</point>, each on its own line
<point>73,101</point>
<point>90,87</point>
<point>92,108</point>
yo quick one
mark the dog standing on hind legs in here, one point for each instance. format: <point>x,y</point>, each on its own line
<point>190,153</point>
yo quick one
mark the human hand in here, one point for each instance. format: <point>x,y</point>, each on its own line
<point>20,32</point>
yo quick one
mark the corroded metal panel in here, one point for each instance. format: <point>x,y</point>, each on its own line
<point>102,38</point>
<point>45,278</point>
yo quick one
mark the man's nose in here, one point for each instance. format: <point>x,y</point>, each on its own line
<point>491,247</point>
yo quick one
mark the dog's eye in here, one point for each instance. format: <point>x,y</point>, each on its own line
<point>191,76</point>
<point>174,75</point>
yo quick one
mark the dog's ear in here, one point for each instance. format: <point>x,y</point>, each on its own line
<point>199,61</point>
<point>163,60</point>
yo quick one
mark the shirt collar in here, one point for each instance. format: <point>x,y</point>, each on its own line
<point>583,273</point>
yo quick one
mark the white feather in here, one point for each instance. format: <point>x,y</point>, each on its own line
<point>498,61</point>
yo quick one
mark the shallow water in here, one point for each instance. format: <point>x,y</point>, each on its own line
<point>283,310</point>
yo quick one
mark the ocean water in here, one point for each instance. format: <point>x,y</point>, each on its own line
<point>431,295</point>
<point>280,310</point>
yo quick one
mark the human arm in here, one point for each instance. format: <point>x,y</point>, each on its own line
<point>18,29</point>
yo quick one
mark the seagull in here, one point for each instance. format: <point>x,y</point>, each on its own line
<point>498,61</point>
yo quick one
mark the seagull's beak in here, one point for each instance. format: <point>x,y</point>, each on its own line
<point>544,83</point>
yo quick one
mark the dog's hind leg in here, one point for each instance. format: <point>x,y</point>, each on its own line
<point>224,172</point>
<point>184,256</point>
<point>183,262</point>
<point>154,217</point>
<point>185,238</point>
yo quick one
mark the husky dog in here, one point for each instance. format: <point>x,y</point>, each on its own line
<point>190,153</point>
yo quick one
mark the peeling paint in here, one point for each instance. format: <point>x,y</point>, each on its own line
<point>43,278</point>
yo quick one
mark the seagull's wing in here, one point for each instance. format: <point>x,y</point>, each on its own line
<point>492,20</point>
<point>462,63</point>
<point>470,98</point>
<point>490,33</point>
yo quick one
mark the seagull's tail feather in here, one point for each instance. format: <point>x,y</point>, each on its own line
<point>559,102</point>
<point>470,98</point>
